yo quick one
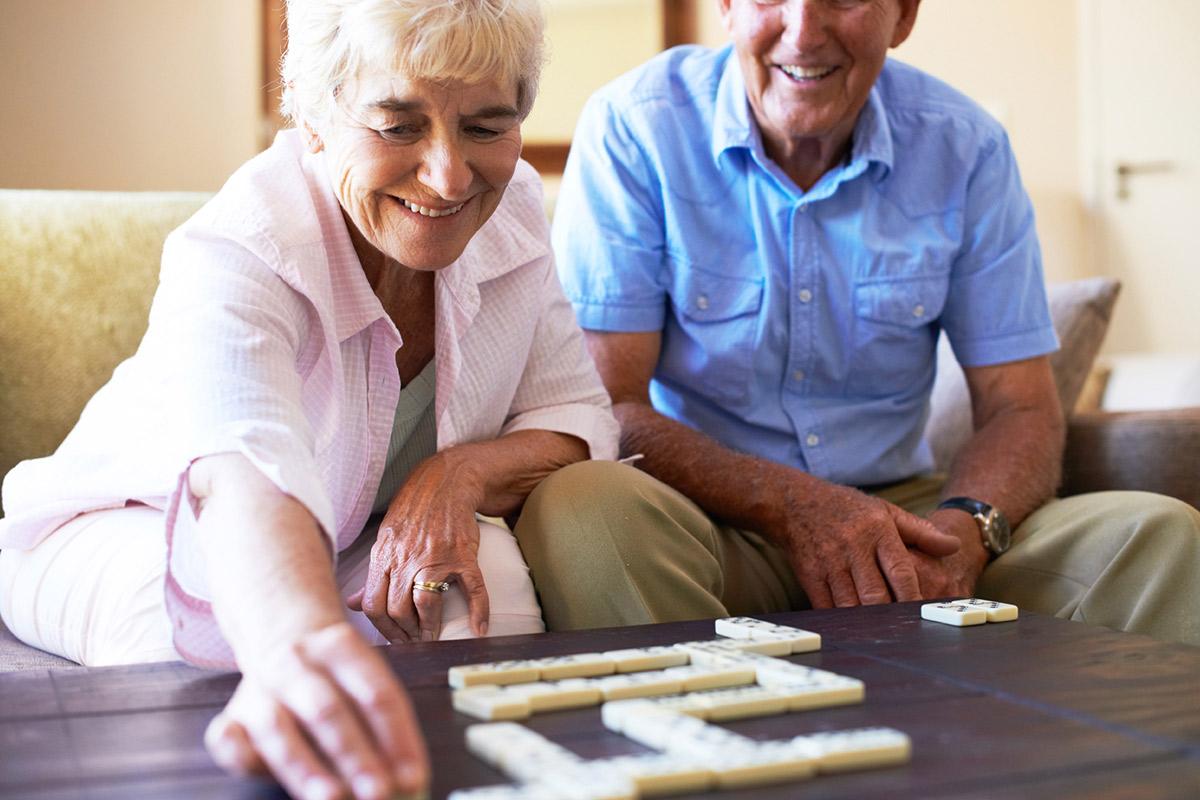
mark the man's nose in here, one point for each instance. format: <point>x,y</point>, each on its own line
<point>805,24</point>
<point>445,170</point>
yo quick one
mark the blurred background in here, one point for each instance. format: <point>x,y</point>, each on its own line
<point>1099,98</point>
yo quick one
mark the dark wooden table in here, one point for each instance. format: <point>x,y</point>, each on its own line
<point>1035,708</point>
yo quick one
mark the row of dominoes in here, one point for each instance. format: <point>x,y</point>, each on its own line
<point>716,692</point>
<point>695,757</point>
<point>746,635</point>
<point>714,665</point>
<point>972,611</point>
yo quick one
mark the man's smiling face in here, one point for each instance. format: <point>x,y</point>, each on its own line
<point>809,65</point>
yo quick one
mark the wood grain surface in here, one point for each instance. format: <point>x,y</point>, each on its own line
<point>1035,708</point>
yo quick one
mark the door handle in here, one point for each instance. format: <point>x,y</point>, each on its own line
<point>1127,169</point>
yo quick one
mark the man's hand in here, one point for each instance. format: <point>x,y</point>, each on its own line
<point>850,549</point>
<point>429,533</point>
<point>954,575</point>
<point>327,718</point>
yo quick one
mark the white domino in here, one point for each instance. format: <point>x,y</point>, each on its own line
<point>639,659</point>
<point>655,774</point>
<point>579,665</point>
<point>770,762</point>
<point>697,678</point>
<point>505,744</point>
<point>639,684</point>
<point>953,614</point>
<point>587,781</point>
<point>497,672</point>
<point>741,702</point>
<point>721,652</point>
<point>490,703</point>
<point>556,695</point>
<point>798,640</point>
<point>822,693</point>
<point>862,748</point>
<point>657,731</point>
<point>996,611</point>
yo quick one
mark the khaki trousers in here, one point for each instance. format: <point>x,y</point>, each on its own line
<point>609,545</point>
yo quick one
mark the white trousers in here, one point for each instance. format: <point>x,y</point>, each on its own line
<point>93,590</point>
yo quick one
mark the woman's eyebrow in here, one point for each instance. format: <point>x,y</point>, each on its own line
<point>396,105</point>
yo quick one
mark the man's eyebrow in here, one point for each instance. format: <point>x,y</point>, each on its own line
<point>491,112</point>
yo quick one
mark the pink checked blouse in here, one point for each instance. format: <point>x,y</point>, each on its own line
<point>265,339</point>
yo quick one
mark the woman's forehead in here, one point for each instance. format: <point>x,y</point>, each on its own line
<point>391,92</point>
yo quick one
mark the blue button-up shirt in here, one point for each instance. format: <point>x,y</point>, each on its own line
<point>800,326</point>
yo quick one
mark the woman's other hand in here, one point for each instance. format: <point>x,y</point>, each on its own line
<point>429,534</point>
<point>327,718</point>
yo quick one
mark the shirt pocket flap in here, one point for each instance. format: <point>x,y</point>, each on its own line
<point>713,298</point>
<point>908,304</point>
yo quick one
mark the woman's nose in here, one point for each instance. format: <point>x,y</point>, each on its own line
<point>445,171</point>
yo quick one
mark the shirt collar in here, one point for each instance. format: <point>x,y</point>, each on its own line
<point>734,124</point>
<point>355,305</point>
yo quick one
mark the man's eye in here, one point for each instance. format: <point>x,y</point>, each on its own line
<point>479,132</point>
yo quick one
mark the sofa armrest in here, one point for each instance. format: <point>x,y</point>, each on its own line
<point>1154,451</point>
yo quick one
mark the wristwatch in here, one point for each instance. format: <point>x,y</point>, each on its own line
<point>993,525</point>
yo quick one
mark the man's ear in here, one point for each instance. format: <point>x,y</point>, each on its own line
<point>725,9</point>
<point>312,139</point>
<point>904,25</point>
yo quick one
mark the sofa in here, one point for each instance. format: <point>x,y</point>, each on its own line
<point>80,269</point>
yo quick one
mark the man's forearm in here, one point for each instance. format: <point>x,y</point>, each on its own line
<point>1013,462</point>
<point>740,489</point>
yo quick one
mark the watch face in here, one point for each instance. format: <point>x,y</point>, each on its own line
<point>997,532</point>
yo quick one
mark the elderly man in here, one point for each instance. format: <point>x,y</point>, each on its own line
<point>763,243</point>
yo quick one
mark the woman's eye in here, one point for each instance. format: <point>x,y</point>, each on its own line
<point>400,132</point>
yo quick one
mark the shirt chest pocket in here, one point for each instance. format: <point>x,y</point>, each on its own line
<point>895,335</point>
<point>719,327</point>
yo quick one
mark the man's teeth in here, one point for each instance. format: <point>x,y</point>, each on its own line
<point>806,73</point>
<point>432,212</point>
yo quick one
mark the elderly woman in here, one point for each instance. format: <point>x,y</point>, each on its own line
<point>365,320</point>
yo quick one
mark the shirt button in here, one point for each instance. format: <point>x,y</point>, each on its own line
<point>918,311</point>
<point>813,440</point>
<point>805,295</point>
<point>798,375</point>
<point>702,302</point>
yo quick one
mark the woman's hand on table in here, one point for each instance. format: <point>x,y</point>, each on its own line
<point>327,718</point>
<point>430,535</point>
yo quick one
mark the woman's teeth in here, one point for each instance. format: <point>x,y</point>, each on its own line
<point>431,212</point>
<point>806,73</point>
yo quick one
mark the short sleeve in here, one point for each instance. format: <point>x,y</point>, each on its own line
<point>996,310</point>
<point>608,227</point>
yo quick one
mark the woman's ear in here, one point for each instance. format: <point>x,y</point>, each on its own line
<point>313,139</point>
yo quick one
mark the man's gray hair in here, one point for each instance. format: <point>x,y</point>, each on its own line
<point>332,41</point>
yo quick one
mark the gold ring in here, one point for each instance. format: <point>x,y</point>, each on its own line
<point>431,586</point>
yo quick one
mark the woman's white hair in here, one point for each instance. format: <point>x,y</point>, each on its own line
<point>332,41</point>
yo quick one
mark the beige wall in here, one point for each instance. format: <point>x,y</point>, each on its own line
<point>590,43</point>
<point>127,94</point>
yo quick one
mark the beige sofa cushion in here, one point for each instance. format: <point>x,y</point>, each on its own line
<point>1081,311</point>
<point>79,270</point>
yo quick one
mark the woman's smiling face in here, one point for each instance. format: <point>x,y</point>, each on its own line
<point>419,166</point>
